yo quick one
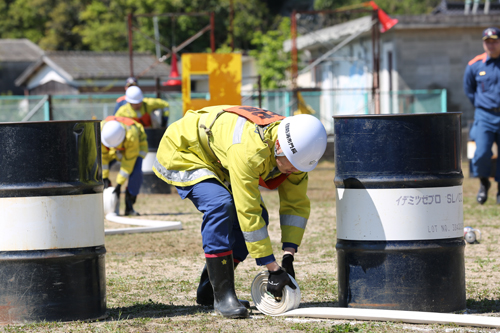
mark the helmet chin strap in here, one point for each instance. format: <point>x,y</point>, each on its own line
<point>277,149</point>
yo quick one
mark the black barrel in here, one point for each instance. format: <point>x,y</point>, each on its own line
<point>52,241</point>
<point>151,183</point>
<point>399,208</point>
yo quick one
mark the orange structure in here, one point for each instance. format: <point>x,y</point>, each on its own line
<point>224,79</point>
<point>174,73</point>
<point>386,22</point>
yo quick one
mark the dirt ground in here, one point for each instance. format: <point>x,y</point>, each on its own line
<point>152,277</point>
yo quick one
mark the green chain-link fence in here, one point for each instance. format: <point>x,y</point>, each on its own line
<point>324,103</point>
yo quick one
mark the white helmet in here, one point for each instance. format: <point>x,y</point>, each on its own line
<point>112,134</point>
<point>133,95</point>
<point>302,139</point>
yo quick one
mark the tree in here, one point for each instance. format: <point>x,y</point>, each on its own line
<point>272,61</point>
<point>391,7</point>
<point>48,23</point>
<point>61,30</point>
<point>101,25</point>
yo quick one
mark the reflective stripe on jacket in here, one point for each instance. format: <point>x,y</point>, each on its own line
<point>134,145</point>
<point>244,157</point>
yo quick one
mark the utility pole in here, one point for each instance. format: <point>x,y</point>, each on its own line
<point>157,37</point>
<point>130,47</point>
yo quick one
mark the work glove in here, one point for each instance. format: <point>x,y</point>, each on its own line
<point>117,190</point>
<point>276,283</point>
<point>107,182</point>
<point>287,264</point>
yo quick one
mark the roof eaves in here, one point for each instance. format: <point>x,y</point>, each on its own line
<point>33,46</point>
<point>330,34</point>
<point>58,69</point>
<point>445,21</point>
<point>29,71</point>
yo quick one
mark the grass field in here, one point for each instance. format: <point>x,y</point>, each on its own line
<point>152,278</point>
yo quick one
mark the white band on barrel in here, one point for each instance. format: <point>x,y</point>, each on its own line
<point>399,214</point>
<point>51,222</point>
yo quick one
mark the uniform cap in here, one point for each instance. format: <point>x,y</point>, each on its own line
<point>131,81</point>
<point>491,33</point>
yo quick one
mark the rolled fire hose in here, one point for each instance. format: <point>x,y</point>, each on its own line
<point>111,205</point>
<point>266,303</point>
<point>288,307</point>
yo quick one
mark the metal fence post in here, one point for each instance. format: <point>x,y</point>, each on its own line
<point>444,107</point>
<point>157,87</point>
<point>287,103</point>
<point>259,83</point>
<point>367,107</point>
<point>47,109</point>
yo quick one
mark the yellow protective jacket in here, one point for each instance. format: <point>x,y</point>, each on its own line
<point>182,161</point>
<point>143,115</point>
<point>134,145</point>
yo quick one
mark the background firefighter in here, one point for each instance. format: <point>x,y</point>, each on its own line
<point>120,101</point>
<point>124,140</point>
<point>141,109</point>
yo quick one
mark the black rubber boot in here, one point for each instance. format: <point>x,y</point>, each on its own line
<point>205,292</point>
<point>221,274</point>
<point>129,204</point>
<point>498,195</point>
<point>482,195</point>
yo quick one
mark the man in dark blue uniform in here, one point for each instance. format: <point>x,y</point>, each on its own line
<point>482,86</point>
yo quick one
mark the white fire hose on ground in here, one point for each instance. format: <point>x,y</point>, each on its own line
<point>111,205</point>
<point>266,303</point>
<point>288,307</point>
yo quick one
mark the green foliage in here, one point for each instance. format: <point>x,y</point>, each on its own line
<point>105,28</point>
<point>49,23</point>
<point>272,61</point>
<point>391,7</point>
<point>101,25</point>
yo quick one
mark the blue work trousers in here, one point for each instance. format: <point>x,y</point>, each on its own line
<point>220,229</point>
<point>484,134</point>
<point>135,179</point>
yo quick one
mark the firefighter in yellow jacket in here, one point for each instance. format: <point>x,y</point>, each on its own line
<point>217,157</point>
<point>124,140</point>
<point>141,108</point>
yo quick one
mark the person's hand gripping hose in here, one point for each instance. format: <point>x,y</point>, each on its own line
<point>287,264</point>
<point>277,282</point>
<point>117,190</point>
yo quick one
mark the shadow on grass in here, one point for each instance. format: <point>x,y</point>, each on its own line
<point>483,306</point>
<point>169,214</point>
<point>151,309</point>
<point>319,305</point>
